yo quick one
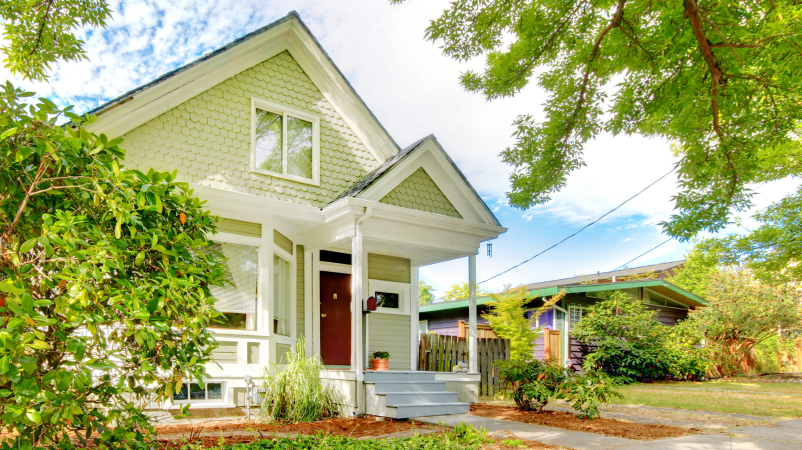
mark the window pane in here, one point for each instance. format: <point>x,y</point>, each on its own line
<point>196,392</point>
<point>238,299</point>
<point>281,296</point>
<point>215,391</point>
<point>268,141</point>
<point>183,394</point>
<point>299,147</point>
<point>386,300</point>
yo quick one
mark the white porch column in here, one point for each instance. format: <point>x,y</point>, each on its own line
<point>473,348</point>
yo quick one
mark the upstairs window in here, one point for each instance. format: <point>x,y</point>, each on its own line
<point>285,142</point>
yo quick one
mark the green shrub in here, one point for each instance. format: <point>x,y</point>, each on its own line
<point>531,383</point>
<point>296,393</point>
<point>622,338</point>
<point>586,392</point>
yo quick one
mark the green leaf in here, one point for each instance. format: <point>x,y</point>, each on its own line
<point>34,416</point>
<point>4,363</point>
<point>28,245</point>
<point>7,133</point>
<point>100,366</point>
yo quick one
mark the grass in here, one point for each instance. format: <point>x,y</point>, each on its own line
<point>782,388</point>
<point>741,398</point>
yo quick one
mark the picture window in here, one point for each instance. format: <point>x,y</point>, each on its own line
<point>194,391</point>
<point>388,300</point>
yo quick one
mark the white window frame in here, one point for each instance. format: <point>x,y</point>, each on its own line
<point>402,289</point>
<point>421,324</point>
<point>284,111</point>
<point>571,309</point>
<point>206,389</point>
<point>281,253</point>
<point>256,242</point>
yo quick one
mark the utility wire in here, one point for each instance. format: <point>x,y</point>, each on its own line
<point>647,251</point>
<point>580,230</point>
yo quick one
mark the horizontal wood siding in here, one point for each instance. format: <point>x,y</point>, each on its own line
<point>299,290</point>
<point>226,352</point>
<point>668,316</point>
<point>388,268</point>
<point>240,227</point>
<point>390,333</point>
<point>282,241</point>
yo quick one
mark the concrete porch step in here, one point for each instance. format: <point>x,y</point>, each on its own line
<point>409,386</point>
<point>406,411</point>
<point>372,376</point>
<point>395,398</point>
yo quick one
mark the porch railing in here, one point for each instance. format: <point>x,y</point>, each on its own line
<point>441,353</point>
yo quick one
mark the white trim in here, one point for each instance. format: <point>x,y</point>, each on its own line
<point>392,287</point>
<point>414,317</point>
<point>308,283</point>
<point>284,111</point>
<point>315,303</point>
<point>286,36</point>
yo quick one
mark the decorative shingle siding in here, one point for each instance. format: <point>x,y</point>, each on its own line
<point>420,192</point>
<point>207,139</point>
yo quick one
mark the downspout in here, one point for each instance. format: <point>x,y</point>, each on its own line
<point>567,339</point>
<point>359,364</point>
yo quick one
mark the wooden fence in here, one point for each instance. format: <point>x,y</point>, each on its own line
<point>442,353</point>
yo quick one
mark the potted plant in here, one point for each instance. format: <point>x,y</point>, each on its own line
<point>380,361</point>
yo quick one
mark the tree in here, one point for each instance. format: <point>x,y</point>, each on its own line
<point>706,258</point>
<point>425,293</point>
<point>40,32</point>
<point>105,278</point>
<point>508,319</point>
<point>741,314</point>
<point>719,80</point>
<point>461,291</point>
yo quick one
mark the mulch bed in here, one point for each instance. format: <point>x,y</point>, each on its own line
<point>352,427</point>
<point>569,421</point>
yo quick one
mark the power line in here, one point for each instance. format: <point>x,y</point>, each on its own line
<point>647,251</point>
<point>580,230</point>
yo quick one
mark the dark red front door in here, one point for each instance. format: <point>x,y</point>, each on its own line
<point>335,318</point>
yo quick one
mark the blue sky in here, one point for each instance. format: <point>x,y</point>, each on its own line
<point>414,91</point>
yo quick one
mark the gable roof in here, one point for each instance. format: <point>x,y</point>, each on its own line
<point>366,182</point>
<point>661,269</point>
<point>660,286</point>
<point>288,33</point>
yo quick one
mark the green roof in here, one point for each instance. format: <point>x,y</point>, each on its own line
<point>679,294</point>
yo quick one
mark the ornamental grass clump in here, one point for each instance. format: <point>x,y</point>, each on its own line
<point>296,393</point>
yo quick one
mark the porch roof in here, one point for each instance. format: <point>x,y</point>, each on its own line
<point>659,286</point>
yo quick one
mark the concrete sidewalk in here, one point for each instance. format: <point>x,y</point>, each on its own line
<point>547,435</point>
<point>786,435</point>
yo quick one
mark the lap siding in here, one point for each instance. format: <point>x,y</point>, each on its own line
<point>390,333</point>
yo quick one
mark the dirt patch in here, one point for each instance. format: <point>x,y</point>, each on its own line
<point>352,427</point>
<point>569,421</point>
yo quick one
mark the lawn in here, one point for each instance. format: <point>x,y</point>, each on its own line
<point>756,399</point>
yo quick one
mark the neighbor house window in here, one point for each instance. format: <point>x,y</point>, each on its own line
<point>237,300</point>
<point>285,142</point>
<point>282,296</point>
<point>194,392</point>
<point>575,314</point>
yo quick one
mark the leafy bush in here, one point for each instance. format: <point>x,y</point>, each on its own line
<point>381,355</point>
<point>104,283</point>
<point>622,338</point>
<point>296,393</point>
<point>531,383</point>
<point>587,391</point>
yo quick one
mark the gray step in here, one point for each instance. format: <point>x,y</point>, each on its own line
<point>410,386</point>
<point>441,409</point>
<point>419,397</point>
<point>387,375</point>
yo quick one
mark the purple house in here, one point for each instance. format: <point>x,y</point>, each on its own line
<point>646,283</point>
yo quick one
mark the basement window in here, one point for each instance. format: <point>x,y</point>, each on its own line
<point>285,142</point>
<point>194,392</point>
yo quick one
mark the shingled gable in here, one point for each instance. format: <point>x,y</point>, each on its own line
<point>429,156</point>
<point>289,34</point>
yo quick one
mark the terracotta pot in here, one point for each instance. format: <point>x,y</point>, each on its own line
<point>380,364</point>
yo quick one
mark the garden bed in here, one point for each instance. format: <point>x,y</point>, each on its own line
<point>569,421</point>
<point>212,434</point>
